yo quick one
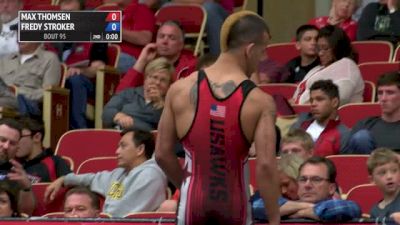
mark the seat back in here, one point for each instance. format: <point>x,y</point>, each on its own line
<point>357,164</point>
<point>152,215</point>
<point>365,195</point>
<point>373,70</point>
<point>373,51</point>
<point>61,215</point>
<point>106,82</point>
<point>43,207</point>
<point>31,4</point>
<point>92,4</point>
<point>282,52</point>
<point>350,114</point>
<point>192,18</point>
<point>44,7</point>
<point>113,52</point>
<point>285,89</point>
<point>301,108</point>
<point>252,173</point>
<point>241,4</point>
<point>369,92</point>
<point>97,164</point>
<point>83,144</point>
<point>396,57</point>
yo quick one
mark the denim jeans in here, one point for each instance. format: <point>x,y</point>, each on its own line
<point>125,62</point>
<point>28,107</point>
<point>216,16</point>
<point>361,142</point>
<point>81,88</point>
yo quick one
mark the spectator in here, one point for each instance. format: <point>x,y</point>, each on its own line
<point>80,202</point>
<point>335,54</point>
<point>9,25</point>
<point>31,69</point>
<point>383,130</point>
<point>317,186</point>
<point>136,33</point>
<point>141,107</point>
<point>9,200</point>
<point>323,124</point>
<point>384,169</point>
<point>340,16</point>
<point>316,190</point>
<point>10,133</point>
<point>169,44</point>
<point>83,60</point>
<point>137,185</point>
<point>306,43</point>
<point>380,21</point>
<point>297,142</point>
<point>40,164</point>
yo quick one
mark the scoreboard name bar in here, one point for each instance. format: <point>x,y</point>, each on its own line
<point>69,26</point>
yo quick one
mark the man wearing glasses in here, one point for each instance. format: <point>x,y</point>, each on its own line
<point>41,164</point>
<point>11,170</point>
<point>317,186</point>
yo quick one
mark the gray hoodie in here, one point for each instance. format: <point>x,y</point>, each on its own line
<point>139,190</point>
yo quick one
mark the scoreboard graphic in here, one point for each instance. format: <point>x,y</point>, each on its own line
<point>69,26</point>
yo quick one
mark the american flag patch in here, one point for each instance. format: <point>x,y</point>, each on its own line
<point>217,110</point>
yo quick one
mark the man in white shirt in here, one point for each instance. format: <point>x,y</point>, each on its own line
<point>9,24</point>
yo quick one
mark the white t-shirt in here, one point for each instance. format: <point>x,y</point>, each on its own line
<point>8,39</point>
<point>315,129</point>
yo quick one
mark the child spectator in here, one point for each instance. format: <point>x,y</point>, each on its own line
<point>306,43</point>
<point>384,170</point>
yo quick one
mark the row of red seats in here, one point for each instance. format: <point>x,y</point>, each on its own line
<point>368,51</point>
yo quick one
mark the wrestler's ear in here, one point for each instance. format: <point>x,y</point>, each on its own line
<point>249,49</point>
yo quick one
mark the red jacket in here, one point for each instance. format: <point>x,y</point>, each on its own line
<point>184,66</point>
<point>331,140</point>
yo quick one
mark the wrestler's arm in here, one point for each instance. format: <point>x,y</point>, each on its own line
<point>266,168</point>
<point>166,140</point>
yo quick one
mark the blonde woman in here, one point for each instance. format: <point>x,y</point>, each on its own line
<point>141,107</point>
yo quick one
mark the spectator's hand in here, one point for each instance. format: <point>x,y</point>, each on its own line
<point>392,5</point>
<point>149,52</point>
<point>52,189</point>
<point>306,212</point>
<point>154,94</point>
<point>125,121</point>
<point>19,175</point>
<point>396,217</point>
<point>72,72</point>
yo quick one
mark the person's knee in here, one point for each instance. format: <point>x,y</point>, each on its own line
<point>212,9</point>
<point>362,142</point>
<point>361,136</point>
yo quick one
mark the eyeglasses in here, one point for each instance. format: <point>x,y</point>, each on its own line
<point>313,180</point>
<point>157,78</point>
<point>26,135</point>
<point>323,48</point>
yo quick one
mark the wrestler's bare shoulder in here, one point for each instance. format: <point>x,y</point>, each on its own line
<point>183,86</point>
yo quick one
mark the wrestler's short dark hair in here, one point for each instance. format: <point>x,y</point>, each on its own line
<point>248,29</point>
